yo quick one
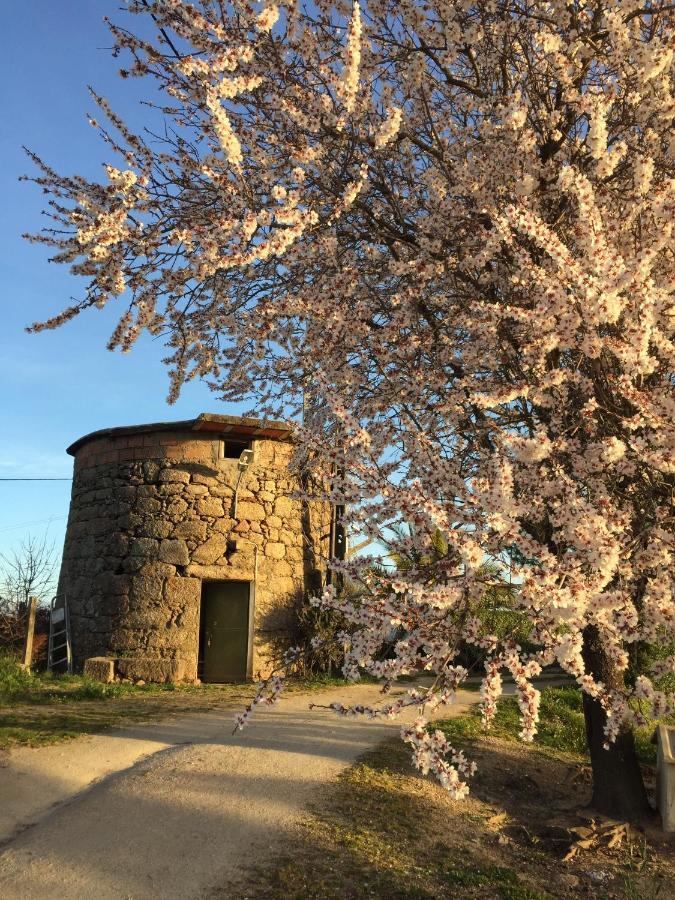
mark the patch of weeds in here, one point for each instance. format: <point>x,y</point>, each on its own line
<point>43,708</point>
<point>323,682</point>
<point>475,875</point>
<point>14,681</point>
<point>561,726</point>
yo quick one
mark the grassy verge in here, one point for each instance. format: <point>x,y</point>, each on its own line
<point>561,729</point>
<point>383,831</point>
<point>41,708</point>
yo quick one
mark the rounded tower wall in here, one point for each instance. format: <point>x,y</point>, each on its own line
<point>152,520</point>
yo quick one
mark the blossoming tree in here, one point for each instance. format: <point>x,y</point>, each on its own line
<point>448,224</point>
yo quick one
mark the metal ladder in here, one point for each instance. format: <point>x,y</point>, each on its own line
<point>59,649</point>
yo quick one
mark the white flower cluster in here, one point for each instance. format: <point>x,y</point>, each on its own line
<point>464,290</point>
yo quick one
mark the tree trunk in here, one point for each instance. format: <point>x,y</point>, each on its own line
<point>618,788</point>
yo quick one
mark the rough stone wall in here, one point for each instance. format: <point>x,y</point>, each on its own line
<point>150,519</point>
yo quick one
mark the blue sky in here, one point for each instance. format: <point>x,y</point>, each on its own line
<point>58,385</point>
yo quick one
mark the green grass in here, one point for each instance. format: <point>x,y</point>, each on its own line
<point>561,725</point>
<point>505,880</point>
<point>44,708</point>
<point>18,686</point>
<point>381,832</point>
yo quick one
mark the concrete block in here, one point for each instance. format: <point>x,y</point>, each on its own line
<point>100,668</point>
<point>665,775</point>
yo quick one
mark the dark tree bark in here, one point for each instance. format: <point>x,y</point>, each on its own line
<point>618,787</point>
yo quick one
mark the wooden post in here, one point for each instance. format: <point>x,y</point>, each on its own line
<point>30,630</point>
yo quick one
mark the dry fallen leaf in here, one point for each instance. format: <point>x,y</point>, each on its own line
<point>495,822</point>
<point>612,834</point>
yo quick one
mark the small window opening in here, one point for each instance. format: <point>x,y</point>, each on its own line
<point>232,449</point>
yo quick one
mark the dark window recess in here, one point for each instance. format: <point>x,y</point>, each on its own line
<point>232,449</point>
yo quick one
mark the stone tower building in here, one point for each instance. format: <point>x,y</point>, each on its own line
<point>176,563</point>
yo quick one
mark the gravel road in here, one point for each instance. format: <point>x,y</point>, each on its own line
<point>175,809</point>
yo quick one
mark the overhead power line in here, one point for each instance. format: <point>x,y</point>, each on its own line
<point>29,524</point>
<point>36,479</point>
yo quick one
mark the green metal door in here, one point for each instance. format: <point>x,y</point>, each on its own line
<point>225,607</point>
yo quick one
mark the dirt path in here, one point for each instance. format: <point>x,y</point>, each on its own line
<point>172,810</point>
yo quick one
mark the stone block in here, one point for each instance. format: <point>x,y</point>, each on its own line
<point>159,671</point>
<point>253,512</point>
<point>175,552</point>
<point>211,550</point>
<point>150,470</point>
<point>147,619</point>
<point>157,569</point>
<point>118,585</point>
<point>210,506</point>
<point>224,525</point>
<point>221,490</point>
<point>133,563</point>
<point>285,507</point>
<point>117,545</point>
<point>197,478</point>
<point>183,592</point>
<point>125,493</point>
<point>176,509</point>
<point>143,547</point>
<point>191,530</point>
<point>155,528</point>
<point>126,640</point>
<point>242,558</point>
<point>196,490</point>
<point>146,589</point>
<point>129,522</point>
<point>282,586</point>
<point>100,668</point>
<point>174,475</point>
<point>220,573</point>
<point>275,551</point>
<point>170,488</point>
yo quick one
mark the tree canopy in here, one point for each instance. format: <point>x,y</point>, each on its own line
<point>448,227</point>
